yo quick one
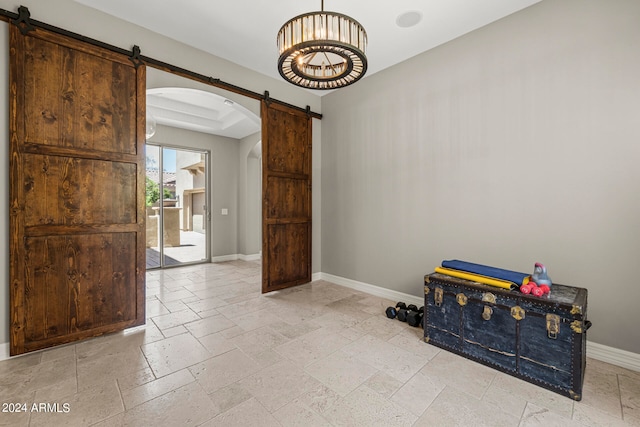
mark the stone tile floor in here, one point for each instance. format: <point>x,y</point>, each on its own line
<point>215,352</point>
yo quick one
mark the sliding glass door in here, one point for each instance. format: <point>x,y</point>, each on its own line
<point>177,208</point>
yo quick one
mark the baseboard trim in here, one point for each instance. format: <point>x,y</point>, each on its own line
<point>224,258</point>
<point>251,257</point>
<point>373,289</point>
<point>236,257</point>
<point>4,351</point>
<point>615,356</point>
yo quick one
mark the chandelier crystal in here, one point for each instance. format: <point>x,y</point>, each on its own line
<point>322,50</point>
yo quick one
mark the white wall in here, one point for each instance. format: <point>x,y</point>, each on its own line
<point>514,144</point>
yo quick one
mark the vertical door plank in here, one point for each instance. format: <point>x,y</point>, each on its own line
<point>19,279</point>
<point>286,188</point>
<point>43,118</point>
<point>77,245</point>
<point>47,297</point>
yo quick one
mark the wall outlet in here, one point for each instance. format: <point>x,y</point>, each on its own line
<point>224,211</point>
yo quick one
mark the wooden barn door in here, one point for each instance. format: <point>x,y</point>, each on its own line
<point>77,247</point>
<point>286,195</point>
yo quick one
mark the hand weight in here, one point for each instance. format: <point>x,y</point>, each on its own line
<point>392,312</point>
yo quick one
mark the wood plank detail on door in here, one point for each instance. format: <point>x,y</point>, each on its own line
<point>77,231</point>
<point>286,197</point>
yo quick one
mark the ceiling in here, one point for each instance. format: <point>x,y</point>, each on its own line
<point>200,111</point>
<point>244,31</point>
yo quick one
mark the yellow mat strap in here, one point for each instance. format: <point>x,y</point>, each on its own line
<point>476,278</point>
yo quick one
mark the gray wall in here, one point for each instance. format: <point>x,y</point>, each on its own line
<point>316,197</point>
<point>250,195</point>
<point>89,22</point>
<point>4,183</point>
<point>75,17</point>
<point>227,172</point>
<point>517,143</point>
<point>223,181</point>
<point>511,145</point>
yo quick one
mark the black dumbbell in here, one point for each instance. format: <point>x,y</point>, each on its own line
<point>392,312</point>
<point>414,318</point>
<point>403,312</point>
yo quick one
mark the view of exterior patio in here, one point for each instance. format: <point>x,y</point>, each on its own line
<point>176,207</point>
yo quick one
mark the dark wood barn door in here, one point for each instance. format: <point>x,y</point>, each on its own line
<point>77,247</point>
<point>286,195</point>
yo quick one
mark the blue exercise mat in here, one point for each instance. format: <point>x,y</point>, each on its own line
<point>485,270</point>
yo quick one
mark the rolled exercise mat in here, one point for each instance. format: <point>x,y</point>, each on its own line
<point>484,270</point>
<point>477,278</point>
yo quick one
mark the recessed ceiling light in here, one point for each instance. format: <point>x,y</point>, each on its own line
<point>409,19</point>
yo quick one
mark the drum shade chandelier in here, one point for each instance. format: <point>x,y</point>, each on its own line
<point>322,50</point>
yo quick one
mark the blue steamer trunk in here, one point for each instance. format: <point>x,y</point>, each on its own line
<point>540,340</point>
